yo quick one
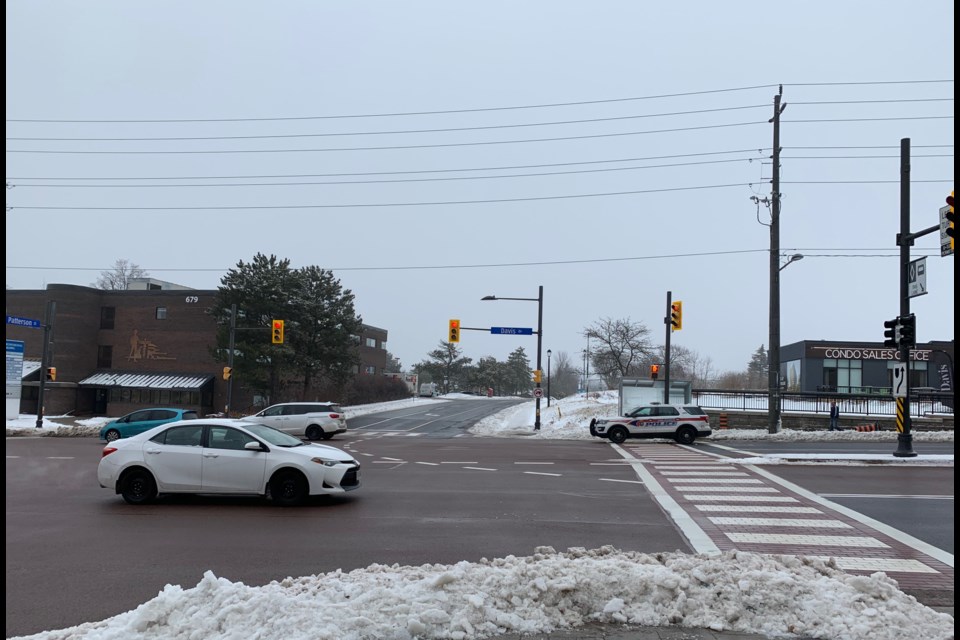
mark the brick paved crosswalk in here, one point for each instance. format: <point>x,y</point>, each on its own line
<point>723,506</point>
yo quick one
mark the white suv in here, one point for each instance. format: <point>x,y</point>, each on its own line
<point>682,422</point>
<point>310,420</point>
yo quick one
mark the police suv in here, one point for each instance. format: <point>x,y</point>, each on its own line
<point>682,422</point>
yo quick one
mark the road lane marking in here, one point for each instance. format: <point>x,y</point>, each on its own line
<point>619,480</point>
<point>480,468</point>
<point>541,473</point>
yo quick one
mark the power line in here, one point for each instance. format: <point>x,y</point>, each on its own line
<point>895,254</point>
<point>404,131</point>
<point>416,171</point>
<point>418,113</point>
<point>485,109</point>
<point>511,175</point>
<point>385,204</point>
<point>415,146</point>
<point>388,181</point>
<point>355,205</point>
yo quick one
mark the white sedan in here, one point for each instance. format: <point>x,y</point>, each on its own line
<point>227,457</point>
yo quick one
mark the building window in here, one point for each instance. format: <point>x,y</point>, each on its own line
<point>369,370</point>
<point>107,316</point>
<point>843,376</point>
<point>371,342</point>
<point>161,313</point>
<point>104,357</point>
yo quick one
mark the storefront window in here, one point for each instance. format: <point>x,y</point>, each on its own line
<point>843,376</point>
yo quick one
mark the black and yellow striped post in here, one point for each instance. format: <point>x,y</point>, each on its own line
<point>900,417</point>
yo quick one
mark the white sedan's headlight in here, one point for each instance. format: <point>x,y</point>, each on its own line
<point>325,462</point>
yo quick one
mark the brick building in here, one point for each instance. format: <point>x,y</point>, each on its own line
<point>150,345</point>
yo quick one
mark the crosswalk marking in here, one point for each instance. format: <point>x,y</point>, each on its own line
<point>791,539</point>
<point>879,564</point>
<point>712,480</point>
<point>753,508</point>
<point>781,522</point>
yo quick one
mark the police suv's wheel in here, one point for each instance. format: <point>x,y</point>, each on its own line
<point>685,435</point>
<point>617,435</point>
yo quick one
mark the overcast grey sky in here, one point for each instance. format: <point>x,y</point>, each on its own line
<point>420,243</point>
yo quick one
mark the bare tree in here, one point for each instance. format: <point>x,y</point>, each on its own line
<point>621,347</point>
<point>118,278</point>
<point>563,375</point>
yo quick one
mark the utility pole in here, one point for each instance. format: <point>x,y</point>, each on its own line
<point>773,369</point>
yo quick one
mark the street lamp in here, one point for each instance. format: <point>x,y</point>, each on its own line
<point>773,375</point>
<point>549,352</point>
<point>791,260</point>
<point>539,301</point>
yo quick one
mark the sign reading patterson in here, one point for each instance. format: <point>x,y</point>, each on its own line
<point>23,322</point>
<point>512,331</point>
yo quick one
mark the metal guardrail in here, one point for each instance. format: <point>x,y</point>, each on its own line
<point>873,404</point>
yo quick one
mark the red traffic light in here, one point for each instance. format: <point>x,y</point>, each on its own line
<point>950,199</point>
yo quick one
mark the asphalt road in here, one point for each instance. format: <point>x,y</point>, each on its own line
<point>78,553</point>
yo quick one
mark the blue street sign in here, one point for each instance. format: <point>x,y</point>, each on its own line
<point>512,331</point>
<point>23,322</point>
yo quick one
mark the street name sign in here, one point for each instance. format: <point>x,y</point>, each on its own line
<point>23,322</point>
<point>512,331</point>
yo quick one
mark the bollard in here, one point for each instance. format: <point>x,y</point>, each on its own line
<point>723,421</point>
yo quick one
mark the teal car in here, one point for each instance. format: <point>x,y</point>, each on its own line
<point>141,420</point>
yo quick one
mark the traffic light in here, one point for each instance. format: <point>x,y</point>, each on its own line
<point>908,331</point>
<point>951,218</point>
<point>52,374</point>
<point>277,331</point>
<point>654,371</point>
<point>676,316</point>
<point>227,372</point>
<point>537,375</point>
<point>891,337</point>
<point>454,331</point>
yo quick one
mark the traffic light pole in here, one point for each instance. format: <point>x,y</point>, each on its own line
<point>45,358</point>
<point>666,350</point>
<point>233,331</point>
<point>905,240</point>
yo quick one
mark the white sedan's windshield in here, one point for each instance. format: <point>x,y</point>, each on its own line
<point>272,436</point>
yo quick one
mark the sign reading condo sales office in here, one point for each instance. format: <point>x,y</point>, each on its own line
<point>853,353</point>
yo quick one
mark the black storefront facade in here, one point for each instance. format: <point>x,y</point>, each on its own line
<point>863,368</point>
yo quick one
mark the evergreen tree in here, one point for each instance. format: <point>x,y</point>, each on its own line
<point>757,369</point>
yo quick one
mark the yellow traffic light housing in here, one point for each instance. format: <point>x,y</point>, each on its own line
<point>454,331</point>
<point>277,331</point>
<point>537,375</point>
<point>676,316</point>
<point>654,371</point>
<point>951,218</point>
<point>227,372</point>
<point>52,374</point>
